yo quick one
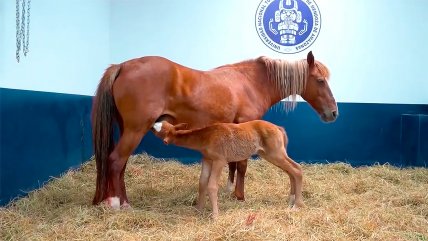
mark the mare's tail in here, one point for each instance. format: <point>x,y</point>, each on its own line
<point>103,115</point>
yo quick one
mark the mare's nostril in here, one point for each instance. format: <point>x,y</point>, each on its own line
<point>334,113</point>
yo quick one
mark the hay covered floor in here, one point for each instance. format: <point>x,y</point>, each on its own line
<point>343,203</point>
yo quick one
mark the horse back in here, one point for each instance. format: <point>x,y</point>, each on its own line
<point>160,87</point>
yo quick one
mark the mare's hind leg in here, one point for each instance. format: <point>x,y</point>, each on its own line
<point>240,176</point>
<point>231,178</point>
<point>117,162</point>
<point>123,197</point>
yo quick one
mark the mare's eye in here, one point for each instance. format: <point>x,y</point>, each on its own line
<point>321,81</point>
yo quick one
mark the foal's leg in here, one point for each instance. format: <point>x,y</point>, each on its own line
<point>240,176</point>
<point>217,166</point>
<point>203,183</point>
<point>117,162</point>
<point>297,182</point>
<point>292,196</point>
<point>295,173</point>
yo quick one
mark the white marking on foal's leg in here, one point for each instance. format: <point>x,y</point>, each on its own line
<point>113,202</point>
<point>157,126</point>
<point>291,200</point>
<point>230,186</point>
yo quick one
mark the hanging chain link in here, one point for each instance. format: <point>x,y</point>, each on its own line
<point>28,29</point>
<point>22,28</point>
<point>18,31</point>
<point>23,25</point>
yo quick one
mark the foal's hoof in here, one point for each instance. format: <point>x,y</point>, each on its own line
<point>291,200</point>
<point>214,216</point>
<point>297,206</point>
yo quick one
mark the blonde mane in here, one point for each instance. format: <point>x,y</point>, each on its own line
<point>290,77</point>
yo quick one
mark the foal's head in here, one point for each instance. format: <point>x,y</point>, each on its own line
<point>317,92</point>
<point>165,130</point>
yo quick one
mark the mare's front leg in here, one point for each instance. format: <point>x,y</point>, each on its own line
<point>203,183</point>
<point>240,176</point>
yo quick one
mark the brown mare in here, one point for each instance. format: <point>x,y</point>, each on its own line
<point>137,93</point>
<point>223,143</point>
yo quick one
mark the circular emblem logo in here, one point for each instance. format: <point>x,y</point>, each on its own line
<point>288,26</point>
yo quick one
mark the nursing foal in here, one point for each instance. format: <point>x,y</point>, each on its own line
<point>222,143</point>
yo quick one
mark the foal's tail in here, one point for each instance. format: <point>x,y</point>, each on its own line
<point>103,115</point>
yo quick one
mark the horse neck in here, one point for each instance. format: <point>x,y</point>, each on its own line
<point>256,73</point>
<point>187,138</point>
<point>288,78</point>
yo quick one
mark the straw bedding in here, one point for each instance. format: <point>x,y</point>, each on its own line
<point>380,202</point>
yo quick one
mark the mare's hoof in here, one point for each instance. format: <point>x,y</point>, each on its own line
<point>113,202</point>
<point>239,197</point>
<point>126,205</point>
<point>230,186</point>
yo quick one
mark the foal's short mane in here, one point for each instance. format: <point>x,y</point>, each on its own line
<point>290,77</point>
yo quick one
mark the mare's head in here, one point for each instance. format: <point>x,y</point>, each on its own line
<point>317,92</point>
<point>165,130</point>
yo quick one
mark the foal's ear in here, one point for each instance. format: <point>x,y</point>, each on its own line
<point>181,126</point>
<point>310,59</point>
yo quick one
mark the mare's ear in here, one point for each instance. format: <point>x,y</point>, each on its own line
<point>310,59</point>
<point>181,126</point>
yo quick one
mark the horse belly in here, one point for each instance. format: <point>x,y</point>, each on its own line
<point>199,111</point>
<point>241,152</point>
<point>237,148</point>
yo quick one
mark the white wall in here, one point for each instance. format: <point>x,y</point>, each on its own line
<point>376,50</point>
<point>69,46</point>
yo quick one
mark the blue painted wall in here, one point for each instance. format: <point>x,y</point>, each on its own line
<point>363,134</point>
<point>44,134</point>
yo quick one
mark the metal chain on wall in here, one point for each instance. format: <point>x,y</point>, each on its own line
<point>22,27</point>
